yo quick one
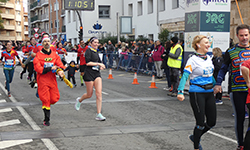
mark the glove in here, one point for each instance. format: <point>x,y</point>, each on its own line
<point>68,83</point>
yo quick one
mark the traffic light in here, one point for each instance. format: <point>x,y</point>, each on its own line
<point>80,33</point>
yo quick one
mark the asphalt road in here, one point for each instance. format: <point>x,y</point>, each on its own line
<point>138,118</point>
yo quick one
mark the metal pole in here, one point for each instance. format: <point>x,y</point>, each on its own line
<point>80,19</point>
<point>57,28</point>
<point>118,31</point>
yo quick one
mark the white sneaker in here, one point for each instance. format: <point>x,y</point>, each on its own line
<point>100,117</point>
<point>35,86</point>
<point>167,88</point>
<point>77,104</point>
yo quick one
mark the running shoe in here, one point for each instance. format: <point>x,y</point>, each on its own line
<point>77,104</point>
<point>218,102</point>
<point>75,85</point>
<point>9,94</point>
<point>82,84</point>
<point>240,148</point>
<point>21,75</point>
<point>100,117</point>
<point>46,123</point>
<point>35,86</point>
<point>170,94</point>
<point>191,137</point>
<point>174,95</point>
<point>246,115</point>
<point>167,88</point>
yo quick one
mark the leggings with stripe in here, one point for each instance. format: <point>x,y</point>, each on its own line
<point>203,105</point>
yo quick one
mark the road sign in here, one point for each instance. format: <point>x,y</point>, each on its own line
<point>36,29</point>
<point>36,35</point>
<point>43,33</point>
<point>79,5</point>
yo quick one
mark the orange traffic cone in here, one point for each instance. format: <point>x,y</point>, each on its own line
<point>110,74</point>
<point>152,86</point>
<point>135,81</point>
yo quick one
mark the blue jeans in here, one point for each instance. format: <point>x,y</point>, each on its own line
<point>9,76</point>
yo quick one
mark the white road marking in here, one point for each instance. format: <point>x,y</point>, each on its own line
<point>10,143</point>
<point>47,142</point>
<point>10,122</point>
<point>2,101</point>
<point>103,92</point>
<point>5,110</point>
<point>222,136</point>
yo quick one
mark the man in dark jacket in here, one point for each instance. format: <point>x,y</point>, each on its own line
<point>110,50</point>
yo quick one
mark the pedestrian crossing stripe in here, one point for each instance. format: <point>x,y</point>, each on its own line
<point>10,122</point>
<point>5,110</point>
<point>2,101</point>
<point>11,143</point>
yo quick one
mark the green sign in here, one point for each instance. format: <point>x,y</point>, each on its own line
<point>192,21</point>
<point>79,5</point>
<point>215,21</point>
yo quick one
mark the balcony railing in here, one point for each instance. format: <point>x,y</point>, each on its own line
<point>35,18</point>
<point>9,27</point>
<point>7,5</point>
<point>63,28</point>
<point>44,2</point>
<point>7,16</point>
<point>33,5</point>
<point>45,16</point>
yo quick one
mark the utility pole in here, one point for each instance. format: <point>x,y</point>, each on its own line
<point>57,28</point>
<point>118,31</point>
<point>81,27</point>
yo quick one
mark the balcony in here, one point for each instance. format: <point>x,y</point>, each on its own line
<point>35,5</point>
<point>18,29</point>
<point>26,23</point>
<point>26,32</point>
<point>63,28</point>
<point>7,5</point>
<point>6,37</point>
<point>9,27</point>
<point>19,38</point>
<point>7,16</point>
<point>35,18</point>
<point>44,2</point>
<point>45,17</point>
<point>18,7</point>
<point>18,18</point>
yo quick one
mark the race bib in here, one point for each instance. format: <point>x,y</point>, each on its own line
<point>47,64</point>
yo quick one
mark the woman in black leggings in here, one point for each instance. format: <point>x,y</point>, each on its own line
<point>200,69</point>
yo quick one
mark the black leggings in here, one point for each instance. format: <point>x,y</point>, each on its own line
<point>73,78</point>
<point>247,137</point>
<point>203,105</point>
<point>238,100</point>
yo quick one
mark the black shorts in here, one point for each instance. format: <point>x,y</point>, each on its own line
<point>91,75</point>
<point>82,68</point>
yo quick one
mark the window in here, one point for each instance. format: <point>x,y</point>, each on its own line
<point>150,6</point>
<point>175,4</point>
<point>140,8</point>
<point>151,36</point>
<point>130,9</point>
<point>7,11</point>
<point>104,11</point>
<point>56,7</point>
<point>17,1</point>
<point>18,34</point>
<point>47,26</point>
<point>19,23</point>
<point>8,33</point>
<point>162,5</point>
<point>18,12</point>
<point>55,24</point>
<point>51,24</point>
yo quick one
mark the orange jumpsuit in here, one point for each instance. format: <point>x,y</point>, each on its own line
<point>47,84</point>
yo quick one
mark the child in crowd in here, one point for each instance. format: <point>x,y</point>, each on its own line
<point>71,71</point>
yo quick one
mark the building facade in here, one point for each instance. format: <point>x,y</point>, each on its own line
<point>13,22</point>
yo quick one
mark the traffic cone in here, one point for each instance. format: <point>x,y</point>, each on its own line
<point>110,74</point>
<point>153,86</point>
<point>135,81</point>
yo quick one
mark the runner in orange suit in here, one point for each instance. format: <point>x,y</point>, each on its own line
<point>46,64</point>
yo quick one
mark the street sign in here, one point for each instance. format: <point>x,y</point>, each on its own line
<point>36,35</point>
<point>88,5</point>
<point>36,29</point>
<point>43,33</point>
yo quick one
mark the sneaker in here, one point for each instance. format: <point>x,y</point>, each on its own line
<point>46,123</point>
<point>191,137</point>
<point>77,104</point>
<point>21,76</point>
<point>167,88</point>
<point>82,84</point>
<point>100,117</point>
<point>9,94</point>
<point>170,94</point>
<point>218,102</point>
<point>75,85</point>
<point>246,115</point>
<point>240,148</point>
<point>171,89</point>
<point>35,86</point>
<point>174,95</point>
